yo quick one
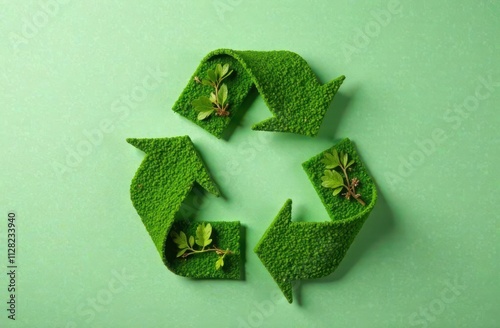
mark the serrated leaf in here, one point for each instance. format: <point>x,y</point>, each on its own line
<point>332,179</point>
<point>183,238</point>
<point>202,104</point>
<point>203,233</point>
<point>181,252</point>
<point>337,191</point>
<point>219,263</point>
<point>207,233</point>
<point>179,239</point>
<point>222,95</point>
<point>330,184</point>
<point>208,230</point>
<point>212,77</point>
<point>199,235</point>
<point>191,241</point>
<point>204,115</point>
<point>331,160</point>
<point>212,98</point>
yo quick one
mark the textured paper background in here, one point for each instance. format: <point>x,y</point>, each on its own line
<point>416,71</point>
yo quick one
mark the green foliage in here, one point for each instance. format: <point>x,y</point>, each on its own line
<point>334,180</point>
<point>217,102</point>
<point>219,263</point>
<point>203,234</point>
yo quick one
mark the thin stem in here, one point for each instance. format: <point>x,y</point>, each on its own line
<point>221,111</point>
<point>350,188</point>
<point>346,176</point>
<point>203,250</point>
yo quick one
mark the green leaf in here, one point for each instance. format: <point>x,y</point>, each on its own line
<point>212,98</point>
<point>222,95</point>
<point>179,239</point>
<point>207,82</point>
<point>191,241</point>
<point>208,232</point>
<point>202,104</point>
<point>183,238</point>
<point>229,73</point>
<point>212,77</point>
<point>181,252</point>
<point>218,72</point>
<point>205,114</point>
<point>203,234</point>
<point>337,191</point>
<point>219,263</point>
<point>345,158</point>
<point>350,163</point>
<point>225,69</point>
<point>331,161</point>
<point>175,236</point>
<point>332,179</point>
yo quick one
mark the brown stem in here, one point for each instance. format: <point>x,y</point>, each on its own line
<point>358,198</point>
<point>350,189</point>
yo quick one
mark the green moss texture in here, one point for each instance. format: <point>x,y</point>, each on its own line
<point>164,179</point>
<point>285,81</point>
<point>306,250</point>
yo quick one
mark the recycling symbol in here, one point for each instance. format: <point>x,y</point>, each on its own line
<point>172,166</point>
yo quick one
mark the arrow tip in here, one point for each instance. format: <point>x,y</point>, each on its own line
<point>179,152</point>
<point>137,143</point>
<point>332,87</point>
<point>269,246</point>
<point>148,145</point>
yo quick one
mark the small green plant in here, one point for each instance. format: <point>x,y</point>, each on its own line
<point>217,102</point>
<point>188,247</point>
<point>334,180</point>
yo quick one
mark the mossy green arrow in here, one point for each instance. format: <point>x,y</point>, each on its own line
<point>285,81</point>
<point>164,179</point>
<point>306,250</point>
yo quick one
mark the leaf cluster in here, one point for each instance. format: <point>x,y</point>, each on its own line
<point>217,102</point>
<point>187,246</point>
<point>337,181</point>
<point>331,178</point>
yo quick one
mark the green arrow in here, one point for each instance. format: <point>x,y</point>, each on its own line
<point>164,179</point>
<point>285,81</point>
<point>293,251</point>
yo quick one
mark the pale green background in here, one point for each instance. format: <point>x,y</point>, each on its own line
<point>63,73</point>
